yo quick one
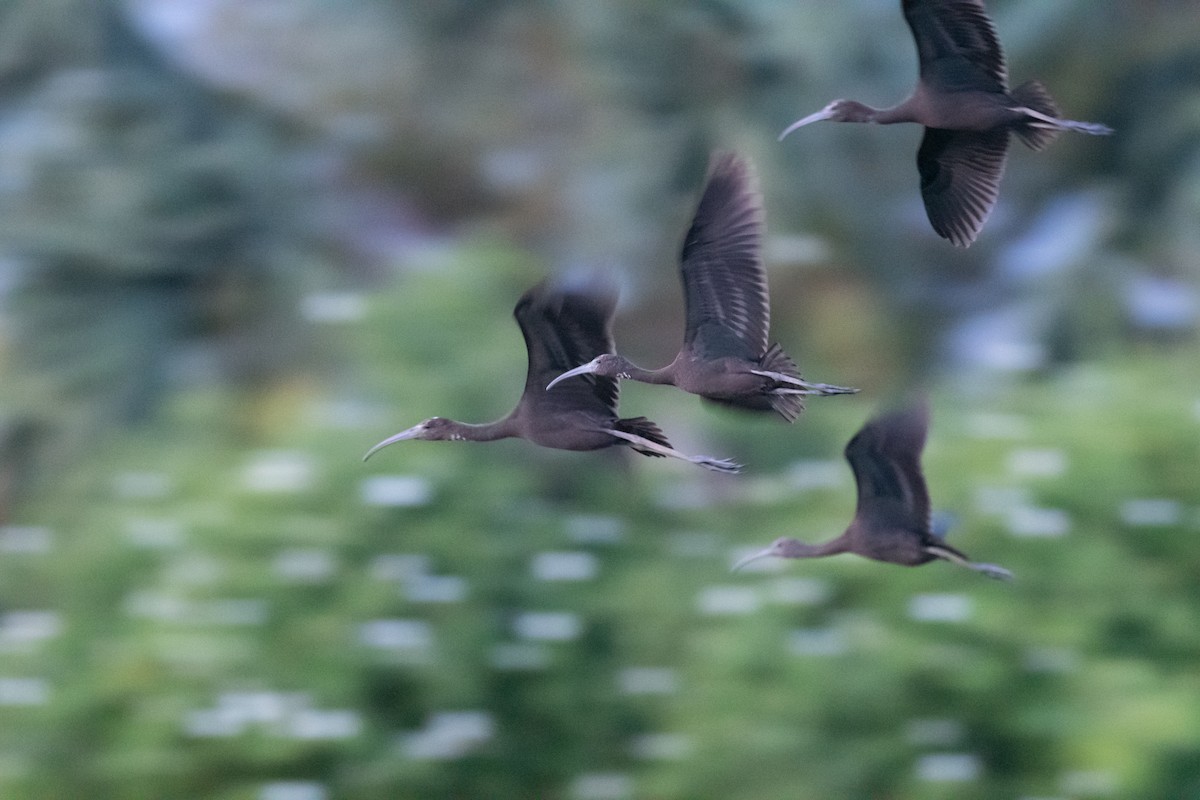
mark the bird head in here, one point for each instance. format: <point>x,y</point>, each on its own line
<point>433,429</point>
<point>837,111</point>
<point>777,548</point>
<point>606,365</point>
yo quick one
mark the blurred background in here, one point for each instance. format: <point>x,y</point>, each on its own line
<point>240,242</point>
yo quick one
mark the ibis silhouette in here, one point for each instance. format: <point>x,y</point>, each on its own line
<point>563,326</point>
<point>725,357</point>
<point>892,520</point>
<point>962,99</point>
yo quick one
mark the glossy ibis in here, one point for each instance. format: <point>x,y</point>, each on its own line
<point>725,357</point>
<point>962,99</point>
<point>892,521</point>
<point>562,327</point>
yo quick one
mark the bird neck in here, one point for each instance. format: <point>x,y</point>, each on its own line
<point>483,432</point>
<point>901,112</point>
<point>852,111</point>
<point>662,376</point>
<point>798,549</point>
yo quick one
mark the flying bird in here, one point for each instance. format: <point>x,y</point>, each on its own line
<point>725,356</point>
<point>892,521</point>
<point>563,326</point>
<point>962,99</point>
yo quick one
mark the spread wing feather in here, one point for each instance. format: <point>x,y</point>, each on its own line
<point>724,282</point>
<point>960,179</point>
<point>886,459</point>
<point>948,31</point>
<point>563,328</point>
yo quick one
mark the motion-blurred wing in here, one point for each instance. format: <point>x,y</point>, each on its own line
<point>886,458</point>
<point>563,328</point>
<point>724,282</point>
<point>960,179</point>
<point>951,32</point>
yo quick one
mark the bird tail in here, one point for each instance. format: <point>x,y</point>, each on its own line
<point>788,406</point>
<point>640,426</point>
<point>943,550</point>
<point>1034,95</point>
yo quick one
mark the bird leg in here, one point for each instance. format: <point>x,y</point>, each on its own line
<point>708,462</point>
<point>802,386</point>
<point>990,570</point>
<point>1053,123</point>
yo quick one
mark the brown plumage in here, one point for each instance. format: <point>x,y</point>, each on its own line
<point>563,326</point>
<point>892,520</point>
<point>725,357</point>
<point>962,99</point>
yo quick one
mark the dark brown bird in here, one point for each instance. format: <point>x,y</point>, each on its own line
<point>563,327</point>
<point>725,357</point>
<point>892,521</point>
<point>962,99</point>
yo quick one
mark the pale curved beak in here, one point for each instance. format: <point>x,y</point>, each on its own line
<point>768,552</point>
<point>586,369</point>
<point>823,114</point>
<point>411,433</point>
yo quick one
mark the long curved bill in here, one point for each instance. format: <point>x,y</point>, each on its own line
<point>765,553</point>
<point>411,433</point>
<point>823,114</point>
<point>585,369</point>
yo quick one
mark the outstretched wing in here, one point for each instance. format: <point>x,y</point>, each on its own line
<point>724,282</point>
<point>956,43</point>
<point>563,328</point>
<point>886,458</point>
<point>960,179</point>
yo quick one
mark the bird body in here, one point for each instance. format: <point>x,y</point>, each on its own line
<point>725,355</point>
<point>892,519</point>
<point>562,327</point>
<point>966,109</point>
<point>728,379</point>
<point>765,384</point>
<point>559,431</point>
<point>963,100</point>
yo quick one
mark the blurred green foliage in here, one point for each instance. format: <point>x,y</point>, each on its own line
<point>223,619</point>
<point>237,250</point>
